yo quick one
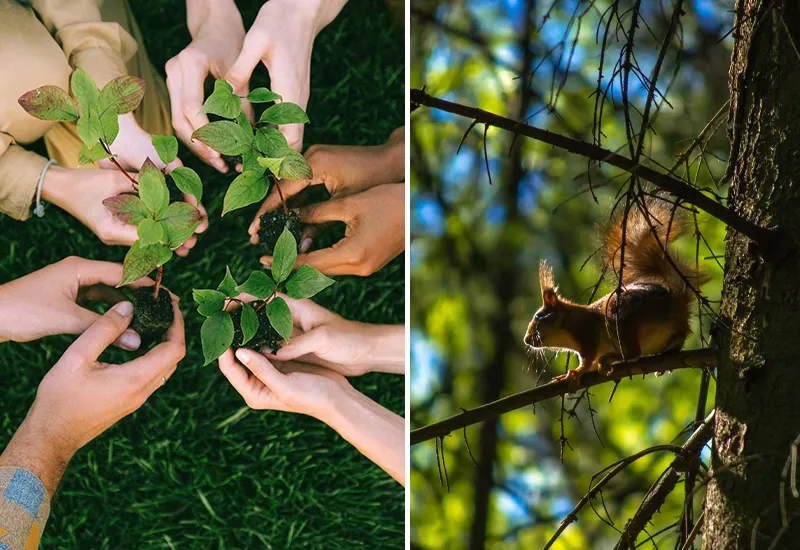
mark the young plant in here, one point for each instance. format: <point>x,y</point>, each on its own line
<point>162,227</point>
<point>265,321</point>
<point>264,153</point>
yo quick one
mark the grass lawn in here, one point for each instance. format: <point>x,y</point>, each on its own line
<point>194,468</point>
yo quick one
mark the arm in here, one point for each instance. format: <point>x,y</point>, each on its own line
<point>19,177</point>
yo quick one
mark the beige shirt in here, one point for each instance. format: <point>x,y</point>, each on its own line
<point>35,53</point>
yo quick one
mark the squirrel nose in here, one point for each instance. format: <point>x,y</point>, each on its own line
<point>528,339</point>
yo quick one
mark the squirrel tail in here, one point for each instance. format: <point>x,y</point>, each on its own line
<point>648,234</point>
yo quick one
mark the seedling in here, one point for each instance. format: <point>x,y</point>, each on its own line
<point>268,320</point>
<point>265,154</point>
<point>162,227</point>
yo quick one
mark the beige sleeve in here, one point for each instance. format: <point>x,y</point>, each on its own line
<point>19,178</point>
<point>101,49</point>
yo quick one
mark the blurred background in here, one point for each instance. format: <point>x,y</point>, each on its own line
<point>475,250</point>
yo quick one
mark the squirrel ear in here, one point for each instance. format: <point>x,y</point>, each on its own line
<point>550,297</point>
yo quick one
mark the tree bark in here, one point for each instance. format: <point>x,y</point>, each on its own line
<point>759,377</point>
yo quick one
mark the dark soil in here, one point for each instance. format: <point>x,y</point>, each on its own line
<point>265,335</point>
<point>151,318</point>
<point>232,161</point>
<point>271,227</point>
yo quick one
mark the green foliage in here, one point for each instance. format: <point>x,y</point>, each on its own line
<point>141,259</point>
<point>305,283</point>
<point>50,103</point>
<point>85,90</point>
<point>188,181</point>
<point>166,147</point>
<point>266,149</point>
<point>153,188</point>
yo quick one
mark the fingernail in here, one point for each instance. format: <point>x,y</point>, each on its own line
<point>130,340</point>
<point>124,308</point>
<point>243,356</point>
<point>305,245</point>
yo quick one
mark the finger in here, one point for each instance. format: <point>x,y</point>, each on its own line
<point>84,318</point>
<point>100,293</point>
<point>93,272</point>
<point>330,261</point>
<point>334,210</point>
<point>239,73</point>
<point>103,332</point>
<point>159,361</point>
<point>191,199</point>
<point>292,83</point>
<point>310,233</point>
<point>261,369</point>
<point>273,201</point>
<point>307,314</point>
<point>298,346</point>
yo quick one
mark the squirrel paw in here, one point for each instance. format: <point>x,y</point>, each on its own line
<point>663,372</point>
<point>573,377</point>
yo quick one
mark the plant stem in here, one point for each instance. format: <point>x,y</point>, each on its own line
<point>283,200</point>
<point>159,276</point>
<point>121,169</point>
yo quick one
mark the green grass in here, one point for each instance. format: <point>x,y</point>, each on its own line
<point>194,468</point>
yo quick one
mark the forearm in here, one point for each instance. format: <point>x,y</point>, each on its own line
<point>375,431</point>
<point>395,155</point>
<point>387,348</point>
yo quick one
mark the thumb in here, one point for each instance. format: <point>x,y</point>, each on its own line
<point>262,369</point>
<point>300,345</point>
<point>239,73</point>
<point>83,318</point>
<point>102,333</point>
<point>333,210</point>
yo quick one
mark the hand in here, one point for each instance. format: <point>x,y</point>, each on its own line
<point>288,387</point>
<point>282,37</point>
<point>217,34</point>
<point>80,397</point>
<point>81,192</point>
<point>45,302</point>
<point>133,146</point>
<point>375,231</point>
<point>348,347</point>
<point>344,170</point>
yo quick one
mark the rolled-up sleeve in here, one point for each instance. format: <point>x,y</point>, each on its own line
<point>99,48</point>
<point>24,509</point>
<point>19,178</point>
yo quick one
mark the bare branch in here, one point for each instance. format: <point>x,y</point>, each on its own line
<point>699,359</point>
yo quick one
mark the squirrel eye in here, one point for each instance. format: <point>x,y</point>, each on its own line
<point>541,315</point>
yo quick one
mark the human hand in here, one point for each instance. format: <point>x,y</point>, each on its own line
<point>281,37</point>
<point>344,170</point>
<point>348,347</point>
<point>80,397</point>
<point>46,301</point>
<point>217,34</point>
<point>375,231</point>
<point>81,192</point>
<point>133,146</point>
<point>288,387</point>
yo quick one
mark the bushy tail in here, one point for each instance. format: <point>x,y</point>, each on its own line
<point>648,235</point>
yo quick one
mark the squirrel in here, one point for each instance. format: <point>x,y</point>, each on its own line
<point>650,313</point>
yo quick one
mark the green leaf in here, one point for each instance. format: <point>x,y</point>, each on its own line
<point>141,260</point>
<point>90,130</point>
<point>284,113</point>
<point>88,155</point>
<point>250,162</point>
<point>127,208</point>
<point>271,164</point>
<point>280,317</point>
<point>247,188</point>
<point>166,147</point>
<point>307,282</point>
<point>180,220</point>
<point>270,141</point>
<point>153,188</point>
<point>121,95</point>
<point>208,301</point>
<point>249,323</point>
<point>228,284</point>
<point>222,102</point>
<point>244,121</point>
<point>187,181</point>
<point>216,335</point>
<point>262,95</point>
<point>85,89</point>
<point>150,232</point>
<point>49,103</point>
<point>258,284</point>
<point>284,256</point>
<point>109,122</point>
<point>294,166</point>
<point>224,136</point>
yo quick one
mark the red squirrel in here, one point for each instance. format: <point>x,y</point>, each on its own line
<point>649,316</point>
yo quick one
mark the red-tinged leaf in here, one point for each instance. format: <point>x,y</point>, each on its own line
<point>128,208</point>
<point>49,103</point>
<point>121,95</point>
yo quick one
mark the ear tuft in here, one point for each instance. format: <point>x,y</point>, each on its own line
<point>550,297</point>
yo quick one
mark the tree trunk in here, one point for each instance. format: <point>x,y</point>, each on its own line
<point>758,384</point>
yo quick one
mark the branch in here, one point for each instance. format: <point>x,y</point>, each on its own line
<point>765,238</point>
<point>699,359</point>
<point>658,493</point>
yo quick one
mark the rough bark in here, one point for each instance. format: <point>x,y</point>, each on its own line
<point>758,385</point>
